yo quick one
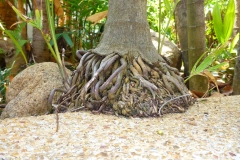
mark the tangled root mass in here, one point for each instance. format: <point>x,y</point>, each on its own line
<point>123,85</point>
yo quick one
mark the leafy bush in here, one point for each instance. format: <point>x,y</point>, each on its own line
<point>4,82</point>
<point>85,35</point>
<point>223,27</point>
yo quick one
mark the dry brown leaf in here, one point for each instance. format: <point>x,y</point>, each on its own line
<point>58,8</point>
<point>221,84</point>
<point>97,17</point>
<point>227,90</point>
<point>197,94</point>
<point>210,77</point>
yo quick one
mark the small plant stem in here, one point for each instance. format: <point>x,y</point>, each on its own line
<point>54,52</point>
<point>168,22</point>
<point>159,27</point>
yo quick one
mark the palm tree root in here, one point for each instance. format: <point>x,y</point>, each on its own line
<point>123,85</point>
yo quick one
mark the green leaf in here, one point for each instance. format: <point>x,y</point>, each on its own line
<point>234,42</point>
<point>3,89</point>
<point>16,35</point>
<point>167,5</point>
<point>55,52</point>
<point>68,39</point>
<point>228,21</point>
<point>193,71</point>
<point>214,68</point>
<point>39,18</point>
<point>206,63</point>
<point>1,51</point>
<point>57,37</point>
<point>217,23</point>
<point>211,58</point>
<point>15,41</point>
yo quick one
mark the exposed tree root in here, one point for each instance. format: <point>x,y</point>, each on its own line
<point>124,86</point>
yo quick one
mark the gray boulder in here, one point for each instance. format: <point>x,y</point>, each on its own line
<point>29,91</point>
<point>169,50</point>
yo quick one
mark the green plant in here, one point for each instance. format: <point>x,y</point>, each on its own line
<point>211,39</point>
<point>1,51</point>
<point>50,15</point>
<point>153,14</point>
<point>16,38</point>
<point>205,62</point>
<point>65,36</point>
<point>169,8</point>
<point>37,23</point>
<point>85,35</point>
<point>4,81</point>
<point>223,27</point>
<point>222,55</point>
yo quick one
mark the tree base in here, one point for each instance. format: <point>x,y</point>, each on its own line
<point>124,85</point>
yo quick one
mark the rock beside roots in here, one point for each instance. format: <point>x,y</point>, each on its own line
<point>29,91</point>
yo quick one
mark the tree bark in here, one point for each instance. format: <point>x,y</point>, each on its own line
<point>7,15</point>
<point>236,28</point>
<point>127,31</point>
<point>196,41</point>
<point>236,78</point>
<point>182,31</point>
<point>40,50</point>
<point>22,9</point>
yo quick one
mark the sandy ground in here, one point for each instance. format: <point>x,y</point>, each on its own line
<point>208,130</point>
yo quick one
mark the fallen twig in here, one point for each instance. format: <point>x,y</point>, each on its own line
<point>159,112</point>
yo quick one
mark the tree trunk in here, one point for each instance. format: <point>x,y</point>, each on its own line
<point>196,42</point>
<point>236,78</point>
<point>7,15</point>
<point>182,31</point>
<point>127,31</point>
<point>236,28</point>
<point>40,50</point>
<point>22,9</point>
<point>125,74</point>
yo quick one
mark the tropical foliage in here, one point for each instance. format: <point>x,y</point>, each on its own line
<point>79,33</point>
<point>16,38</point>
<point>4,82</point>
